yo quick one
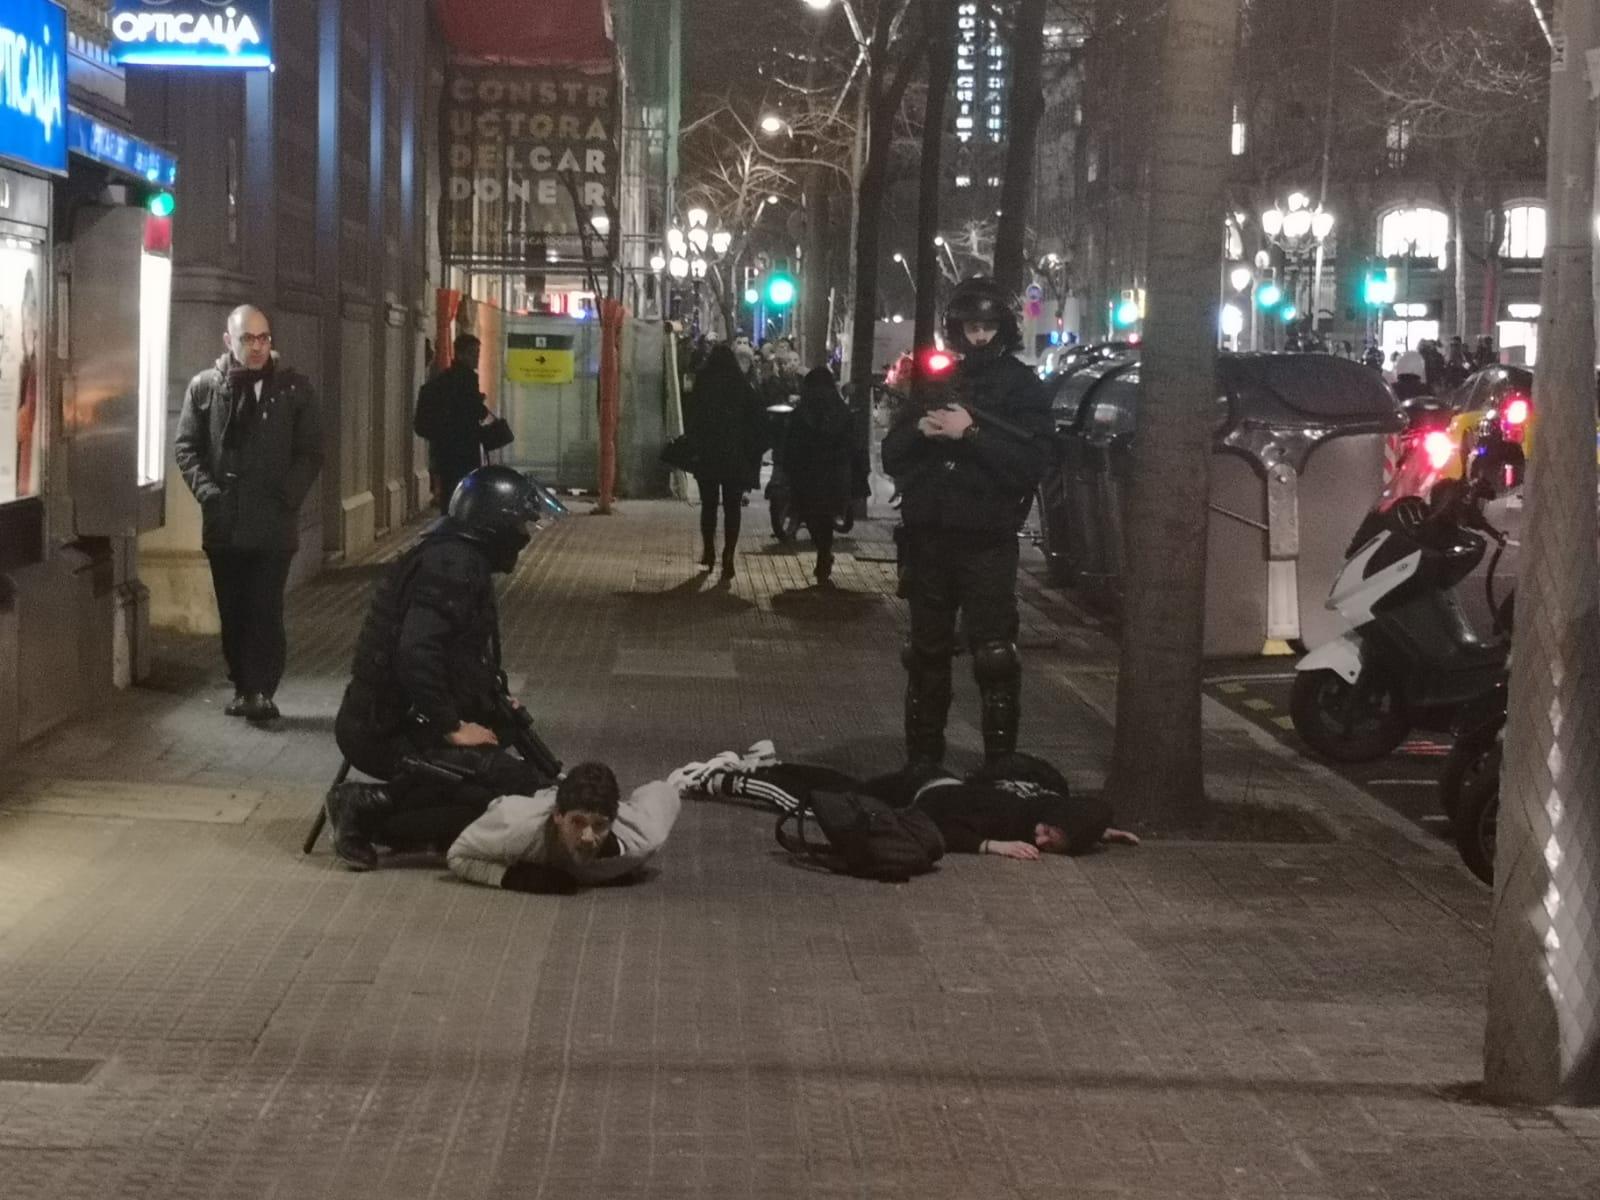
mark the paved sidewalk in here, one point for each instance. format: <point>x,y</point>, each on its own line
<point>1188,1020</point>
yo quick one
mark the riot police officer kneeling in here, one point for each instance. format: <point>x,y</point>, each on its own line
<point>967,469</point>
<point>427,711</point>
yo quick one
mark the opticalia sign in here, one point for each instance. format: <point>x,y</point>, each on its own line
<point>33,84</point>
<point>192,33</point>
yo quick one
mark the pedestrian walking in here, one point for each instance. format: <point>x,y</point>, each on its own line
<point>249,446</point>
<point>816,463</point>
<point>727,431</point>
<point>450,416</point>
<point>426,711</point>
<point>967,472</point>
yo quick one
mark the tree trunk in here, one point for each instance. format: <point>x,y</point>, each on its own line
<point>1458,201</point>
<point>816,281</point>
<point>1542,1044</point>
<point>1157,770</point>
<point>941,65</point>
<point>883,97</point>
<point>1027,109</point>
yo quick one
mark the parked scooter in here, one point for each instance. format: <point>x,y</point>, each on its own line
<point>1469,788</point>
<point>1410,657</point>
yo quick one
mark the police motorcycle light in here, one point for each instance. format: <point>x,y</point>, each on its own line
<point>938,362</point>
<point>1440,449</point>
<point>1514,418</point>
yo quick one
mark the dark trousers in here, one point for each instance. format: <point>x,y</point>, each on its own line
<point>249,586</point>
<point>787,787</point>
<point>426,809</point>
<point>972,574</point>
<point>821,531</point>
<point>730,498</point>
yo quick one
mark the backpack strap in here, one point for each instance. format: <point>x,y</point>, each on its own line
<point>797,843</point>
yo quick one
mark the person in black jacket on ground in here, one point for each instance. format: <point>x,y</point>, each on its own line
<point>249,445</point>
<point>1015,806</point>
<point>450,416</point>
<point>966,474</point>
<point>816,461</point>
<point>428,682</point>
<point>727,430</point>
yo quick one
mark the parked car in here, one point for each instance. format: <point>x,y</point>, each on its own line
<point>1062,361</point>
<point>1298,458</point>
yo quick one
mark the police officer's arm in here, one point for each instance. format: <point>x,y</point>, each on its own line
<point>1018,456</point>
<point>193,444</point>
<point>905,447</point>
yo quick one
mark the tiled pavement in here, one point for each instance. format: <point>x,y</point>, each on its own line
<point>1187,1020</point>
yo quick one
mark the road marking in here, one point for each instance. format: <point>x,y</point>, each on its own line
<point>1279,677</point>
<point>1231,689</point>
<point>1260,705</point>
<point>1427,783</point>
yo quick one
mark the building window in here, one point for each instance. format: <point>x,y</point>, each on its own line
<point>963,181</point>
<point>1415,233</point>
<point>1525,233</point>
<point>1397,143</point>
<point>1241,133</point>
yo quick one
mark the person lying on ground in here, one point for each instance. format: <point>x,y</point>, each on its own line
<point>579,833</point>
<point>1016,807</point>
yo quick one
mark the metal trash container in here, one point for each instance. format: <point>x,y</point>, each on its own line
<point>1309,432</point>
<point>1298,461</point>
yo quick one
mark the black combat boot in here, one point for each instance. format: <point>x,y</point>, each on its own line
<point>927,709</point>
<point>998,670</point>
<point>708,557</point>
<point>355,811</point>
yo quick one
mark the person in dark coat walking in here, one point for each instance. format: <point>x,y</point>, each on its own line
<point>249,445</point>
<point>816,461</point>
<point>727,430</point>
<point>450,416</point>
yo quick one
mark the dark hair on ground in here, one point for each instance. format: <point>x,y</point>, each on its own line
<point>465,342</point>
<point>589,787</point>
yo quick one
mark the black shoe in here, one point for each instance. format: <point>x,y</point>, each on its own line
<point>353,810</point>
<point>824,572</point>
<point>238,706</point>
<point>709,558</point>
<point>259,709</point>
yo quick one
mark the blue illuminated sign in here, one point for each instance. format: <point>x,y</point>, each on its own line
<point>192,33</point>
<point>33,84</point>
<point>91,139</point>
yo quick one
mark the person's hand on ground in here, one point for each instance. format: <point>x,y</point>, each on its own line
<point>467,734</point>
<point>1119,837</point>
<point>1021,851</point>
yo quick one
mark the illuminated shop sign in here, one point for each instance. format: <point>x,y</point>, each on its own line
<point>192,33</point>
<point>33,84</point>
<point>102,143</point>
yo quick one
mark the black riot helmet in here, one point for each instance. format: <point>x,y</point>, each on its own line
<point>982,299</point>
<point>494,506</point>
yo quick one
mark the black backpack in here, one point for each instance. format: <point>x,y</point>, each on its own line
<point>865,837</point>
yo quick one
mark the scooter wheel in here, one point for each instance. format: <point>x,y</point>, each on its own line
<point>1476,819</point>
<point>1345,722</point>
<point>1469,758</point>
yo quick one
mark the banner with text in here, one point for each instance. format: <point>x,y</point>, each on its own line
<point>526,151</point>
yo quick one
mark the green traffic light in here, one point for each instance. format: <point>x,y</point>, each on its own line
<point>1128,313</point>
<point>162,204</point>
<point>1269,295</point>
<point>752,297</point>
<point>1289,313</point>
<point>780,291</point>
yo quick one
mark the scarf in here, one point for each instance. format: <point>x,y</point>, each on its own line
<point>242,394</point>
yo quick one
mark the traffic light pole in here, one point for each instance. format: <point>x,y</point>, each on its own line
<point>1542,1044</point>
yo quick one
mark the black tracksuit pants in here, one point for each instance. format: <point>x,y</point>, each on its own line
<point>249,586</point>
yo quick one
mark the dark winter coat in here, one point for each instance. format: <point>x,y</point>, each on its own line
<point>816,455</point>
<point>450,412</point>
<point>726,424</point>
<point>250,486</point>
<point>983,482</point>
<point>430,645</point>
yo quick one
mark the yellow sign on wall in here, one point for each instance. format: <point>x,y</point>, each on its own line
<point>540,358</point>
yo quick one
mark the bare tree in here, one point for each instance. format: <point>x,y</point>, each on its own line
<point>1158,771</point>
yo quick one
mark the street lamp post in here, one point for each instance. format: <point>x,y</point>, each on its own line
<point>1301,231</point>
<point>906,267</point>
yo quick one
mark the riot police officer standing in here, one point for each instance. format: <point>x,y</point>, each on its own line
<point>967,471</point>
<point>426,709</point>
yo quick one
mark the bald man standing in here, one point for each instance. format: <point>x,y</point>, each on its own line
<point>249,445</point>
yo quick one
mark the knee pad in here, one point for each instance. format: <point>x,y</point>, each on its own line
<point>996,663</point>
<point>919,661</point>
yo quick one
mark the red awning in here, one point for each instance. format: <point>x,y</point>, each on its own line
<point>528,32</point>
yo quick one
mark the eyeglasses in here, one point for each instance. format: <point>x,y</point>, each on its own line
<point>255,339</point>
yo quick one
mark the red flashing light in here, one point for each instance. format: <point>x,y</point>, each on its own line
<point>1439,448</point>
<point>1517,411</point>
<point>1135,339</point>
<point>939,362</point>
<point>1514,418</point>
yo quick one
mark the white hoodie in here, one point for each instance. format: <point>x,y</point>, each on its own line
<point>516,829</point>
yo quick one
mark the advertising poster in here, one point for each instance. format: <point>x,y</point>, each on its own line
<point>525,151</point>
<point>21,383</point>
